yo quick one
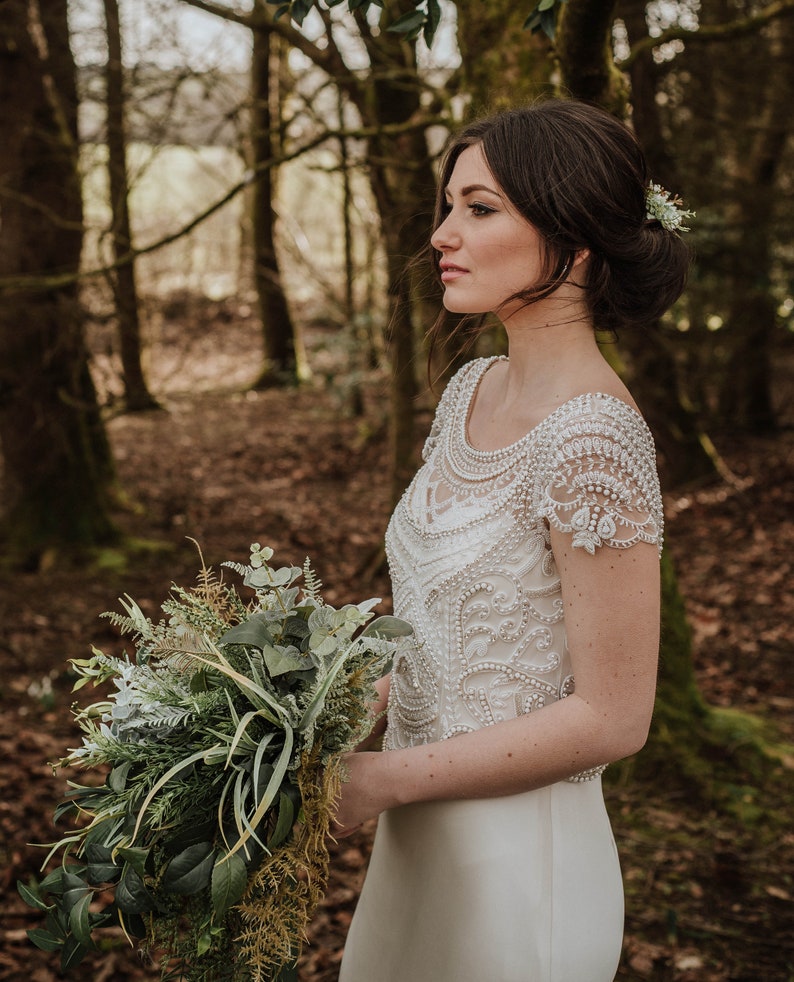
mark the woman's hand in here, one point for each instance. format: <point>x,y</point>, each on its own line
<point>361,797</point>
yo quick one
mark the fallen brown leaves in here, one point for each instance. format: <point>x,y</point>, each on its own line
<point>708,899</point>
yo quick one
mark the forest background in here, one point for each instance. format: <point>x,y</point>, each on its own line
<point>210,327</point>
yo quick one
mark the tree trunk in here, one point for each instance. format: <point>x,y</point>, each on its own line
<point>284,359</point>
<point>584,46</point>
<point>58,470</point>
<point>686,731</point>
<point>687,456</point>
<point>136,392</point>
<point>403,184</point>
<point>746,397</point>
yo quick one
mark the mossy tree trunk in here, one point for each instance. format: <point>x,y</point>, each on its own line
<point>686,731</point>
<point>58,472</point>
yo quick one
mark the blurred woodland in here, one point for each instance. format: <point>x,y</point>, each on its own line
<point>212,326</point>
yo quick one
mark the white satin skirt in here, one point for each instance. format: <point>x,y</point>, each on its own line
<point>525,888</point>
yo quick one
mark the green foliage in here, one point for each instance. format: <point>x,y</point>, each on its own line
<point>221,741</point>
<point>544,17</point>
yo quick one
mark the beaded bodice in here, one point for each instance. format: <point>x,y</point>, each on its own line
<point>471,563</point>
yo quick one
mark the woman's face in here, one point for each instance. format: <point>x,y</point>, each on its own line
<point>489,251</point>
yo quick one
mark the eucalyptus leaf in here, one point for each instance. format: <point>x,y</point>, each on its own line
<point>296,627</point>
<point>323,645</point>
<point>281,660</point>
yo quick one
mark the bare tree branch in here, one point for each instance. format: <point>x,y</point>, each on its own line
<point>712,32</point>
<point>15,284</point>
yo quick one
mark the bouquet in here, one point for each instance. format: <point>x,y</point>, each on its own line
<point>222,744</point>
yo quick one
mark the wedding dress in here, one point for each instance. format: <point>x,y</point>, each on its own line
<point>525,888</point>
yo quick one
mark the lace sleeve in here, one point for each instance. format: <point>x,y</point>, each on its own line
<point>601,484</point>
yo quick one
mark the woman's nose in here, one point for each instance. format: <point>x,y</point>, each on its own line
<point>445,236</point>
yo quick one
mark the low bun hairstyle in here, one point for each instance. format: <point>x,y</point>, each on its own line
<point>579,177</point>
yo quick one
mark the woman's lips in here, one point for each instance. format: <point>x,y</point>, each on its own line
<point>450,272</point>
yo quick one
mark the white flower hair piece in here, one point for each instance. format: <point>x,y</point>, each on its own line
<point>662,207</point>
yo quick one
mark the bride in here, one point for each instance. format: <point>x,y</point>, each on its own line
<point>526,555</point>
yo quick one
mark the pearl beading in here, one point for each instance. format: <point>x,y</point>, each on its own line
<point>470,555</point>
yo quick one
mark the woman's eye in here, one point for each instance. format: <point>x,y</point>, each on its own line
<point>479,210</point>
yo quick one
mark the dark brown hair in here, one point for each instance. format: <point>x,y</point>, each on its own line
<point>579,176</point>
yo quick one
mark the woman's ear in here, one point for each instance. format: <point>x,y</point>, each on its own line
<point>582,256</point>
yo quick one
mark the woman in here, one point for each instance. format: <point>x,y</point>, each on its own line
<point>526,555</point>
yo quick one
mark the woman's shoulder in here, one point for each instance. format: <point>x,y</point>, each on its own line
<point>594,414</point>
<point>472,371</point>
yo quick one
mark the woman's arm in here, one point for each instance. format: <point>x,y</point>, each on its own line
<point>611,604</point>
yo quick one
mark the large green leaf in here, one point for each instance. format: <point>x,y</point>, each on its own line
<point>44,940</point>
<point>285,820</point>
<point>190,871</point>
<point>190,832</point>
<point>132,897</point>
<point>135,856</point>
<point>73,953</point>
<point>101,866</point>
<point>117,779</point>
<point>254,632</point>
<point>75,889</point>
<point>388,627</point>
<point>31,897</point>
<point>229,879</point>
<point>79,921</point>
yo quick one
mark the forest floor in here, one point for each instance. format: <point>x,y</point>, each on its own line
<point>710,892</point>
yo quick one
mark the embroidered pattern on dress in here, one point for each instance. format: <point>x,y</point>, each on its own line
<point>470,556</point>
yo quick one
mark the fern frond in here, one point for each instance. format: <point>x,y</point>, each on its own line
<point>312,584</point>
<point>123,622</point>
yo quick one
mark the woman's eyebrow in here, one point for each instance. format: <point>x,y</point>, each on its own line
<point>473,187</point>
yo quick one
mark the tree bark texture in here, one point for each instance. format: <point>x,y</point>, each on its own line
<point>57,464</point>
<point>403,184</point>
<point>284,360</point>
<point>584,46</point>
<point>136,393</point>
<point>685,454</point>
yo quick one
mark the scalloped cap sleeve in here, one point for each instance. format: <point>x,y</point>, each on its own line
<point>600,483</point>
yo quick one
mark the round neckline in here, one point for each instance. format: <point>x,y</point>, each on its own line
<point>488,363</point>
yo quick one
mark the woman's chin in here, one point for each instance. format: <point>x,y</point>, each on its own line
<point>456,305</point>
